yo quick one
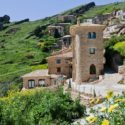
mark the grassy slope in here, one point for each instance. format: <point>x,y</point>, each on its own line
<point>103,9</point>
<point>13,61</point>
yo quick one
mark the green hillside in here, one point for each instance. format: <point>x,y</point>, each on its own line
<point>24,46</point>
<point>103,9</point>
<point>19,50</point>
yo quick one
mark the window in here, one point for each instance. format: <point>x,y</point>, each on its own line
<point>91,35</point>
<point>31,83</point>
<point>58,70</point>
<point>42,82</point>
<point>124,17</point>
<point>92,50</point>
<point>92,69</point>
<point>58,61</point>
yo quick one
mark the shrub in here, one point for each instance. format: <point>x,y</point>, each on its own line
<point>32,107</point>
<point>120,47</point>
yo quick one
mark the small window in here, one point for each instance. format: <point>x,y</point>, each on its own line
<point>93,35</point>
<point>92,50</point>
<point>89,35</point>
<point>42,82</point>
<point>31,83</point>
<point>58,70</point>
<point>58,61</point>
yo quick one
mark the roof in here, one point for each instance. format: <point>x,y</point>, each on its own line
<point>37,73</point>
<point>68,54</point>
<point>63,55</point>
<point>64,50</point>
<point>88,25</point>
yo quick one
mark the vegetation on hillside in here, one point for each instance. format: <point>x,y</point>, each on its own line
<point>80,9</point>
<point>110,43</point>
<point>22,51</point>
<point>39,107</point>
<point>120,47</point>
<point>103,9</point>
<point>114,45</point>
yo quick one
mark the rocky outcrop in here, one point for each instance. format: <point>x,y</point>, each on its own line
<point>5,19</point>
<point>83,9</point>
<point>22,21</point>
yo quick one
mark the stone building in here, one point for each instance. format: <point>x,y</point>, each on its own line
<point>66,41</point>
<point>56,30</point>
<point>100,19</point>
<point>40,78</point>
<point>82,61</point>
<point>88,51</point>
<point>67,18</point>
<point>89,20</point>
<point>61,63</point>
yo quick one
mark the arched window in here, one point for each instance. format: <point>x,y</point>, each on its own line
<point>94,35</point>
<point>89,35</point>
<point>92,69</point>
<point>31,83</point>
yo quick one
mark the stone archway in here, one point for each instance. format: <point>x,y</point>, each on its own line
<point>92,69</point>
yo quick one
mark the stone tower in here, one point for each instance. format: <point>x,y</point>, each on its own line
<point>88,51</point>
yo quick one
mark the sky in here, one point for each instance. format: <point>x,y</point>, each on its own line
<point>38,9</point>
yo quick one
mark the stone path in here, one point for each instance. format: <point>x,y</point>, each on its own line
<point>110,82</point>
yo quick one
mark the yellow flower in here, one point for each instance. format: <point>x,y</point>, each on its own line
<point>113,107</point>
<point>119,100</point>
<point>105,122</point>
<point>97,101</point>
<point>109,94</point>
<point>92,101</point>
<point>103,109</point>
<point>91,119</point>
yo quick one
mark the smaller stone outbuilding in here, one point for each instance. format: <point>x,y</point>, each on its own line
<point>66,41</point>
<point>100,19</point>
<point>40,78</point>
<point>67,18</point>
<point>56,30</point>
<point>61,63</point>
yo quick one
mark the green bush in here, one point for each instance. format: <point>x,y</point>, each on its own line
<point>39,107</point>
<point>120,47</point>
